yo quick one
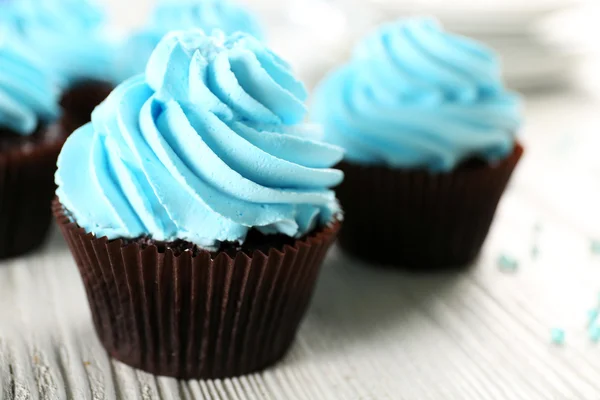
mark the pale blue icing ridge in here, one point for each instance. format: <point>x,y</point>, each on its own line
<point>209,143</point>
<point>415,96</point>
<point>28,93</point>
<point>69,35</point>
<point>168,15</point>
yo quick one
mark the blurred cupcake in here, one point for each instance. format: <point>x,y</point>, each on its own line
<point>429,133</point>
<point>169,15</point>
<point>198,210</point>
<point>69,36</point>
<point>28,150</point>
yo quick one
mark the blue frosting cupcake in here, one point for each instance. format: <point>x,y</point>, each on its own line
<point>208,15</point>
<point>70,36</point>
<point>28,151</point>
<point>427,125</point>
<point>414,96</point>
<point>201,177</point>
<point>206,145</point>
<point>28,93</point>
<point>67,34</point>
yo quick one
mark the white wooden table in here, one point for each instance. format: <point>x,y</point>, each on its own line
<point>480,334</point>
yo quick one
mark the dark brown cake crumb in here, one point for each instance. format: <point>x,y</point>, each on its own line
<point>473,163</point>
<point>12,141</point>
<point>254,241</point>
<point>80,100</point>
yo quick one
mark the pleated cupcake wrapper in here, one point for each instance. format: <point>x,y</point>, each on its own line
<point>26,192</point>
<point>195,316</point>
<point>419,220</point>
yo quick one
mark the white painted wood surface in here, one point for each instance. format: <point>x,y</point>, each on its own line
<point>373,333</point>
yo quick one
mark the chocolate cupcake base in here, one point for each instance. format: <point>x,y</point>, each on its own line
<point>27,166</point>
<point>196,314</point>
<point>79,102</point>
<point>418,220</point>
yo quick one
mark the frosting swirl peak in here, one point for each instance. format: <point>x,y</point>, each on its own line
<point>208,144</point>
<point>28,94</point>
<point>66,34</point>
<point>208,15</point>
<point>227,74</point>
<point>416,96</point>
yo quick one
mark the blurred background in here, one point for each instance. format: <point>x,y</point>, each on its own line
<point>545,44</point>
<point>550,52</point>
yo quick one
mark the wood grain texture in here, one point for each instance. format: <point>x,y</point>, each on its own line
<point>374,333</point>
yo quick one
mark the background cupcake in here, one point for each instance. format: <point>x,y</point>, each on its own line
<point>169,15</point>
<point>429,133</point>
<point>28,150</point>
<point>197,185</point>
<point>70,36</point>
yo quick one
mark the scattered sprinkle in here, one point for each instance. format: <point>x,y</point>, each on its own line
<point>558,336</point>
<point>87,363</point>
<point>535,251</point>
<point>593,316</point>
<point>595,333</point>
<point>507,263</point>
<point>595,247</point>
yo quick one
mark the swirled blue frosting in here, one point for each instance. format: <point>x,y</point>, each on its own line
<point>414,96</point>
<point>206,145</point>
<point>208,15</point>
<point>28,94</point>
<point>66,34</point>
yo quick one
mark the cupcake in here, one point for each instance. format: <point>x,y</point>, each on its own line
<point>28,150</point>
<point>430,137</point>
<point>169,15</point>
<point>198,210</point>
<point>69,36</point>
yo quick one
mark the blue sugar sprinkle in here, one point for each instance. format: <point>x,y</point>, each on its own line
<point>558,336</point>
<point>593,316</point>
<point>507,263</point>
<point>595,247</point>
<point>595,333</point>
<point>535,251</point>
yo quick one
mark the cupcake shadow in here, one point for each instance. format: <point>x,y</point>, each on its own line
<point>55,243</point>
<point>355,304</point>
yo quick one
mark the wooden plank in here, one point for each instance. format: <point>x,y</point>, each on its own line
<point>370,333</point>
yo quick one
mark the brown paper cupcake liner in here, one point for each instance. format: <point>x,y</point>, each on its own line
<point>197,316</point>
<point>418,220</point>
<point>26,192</point>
